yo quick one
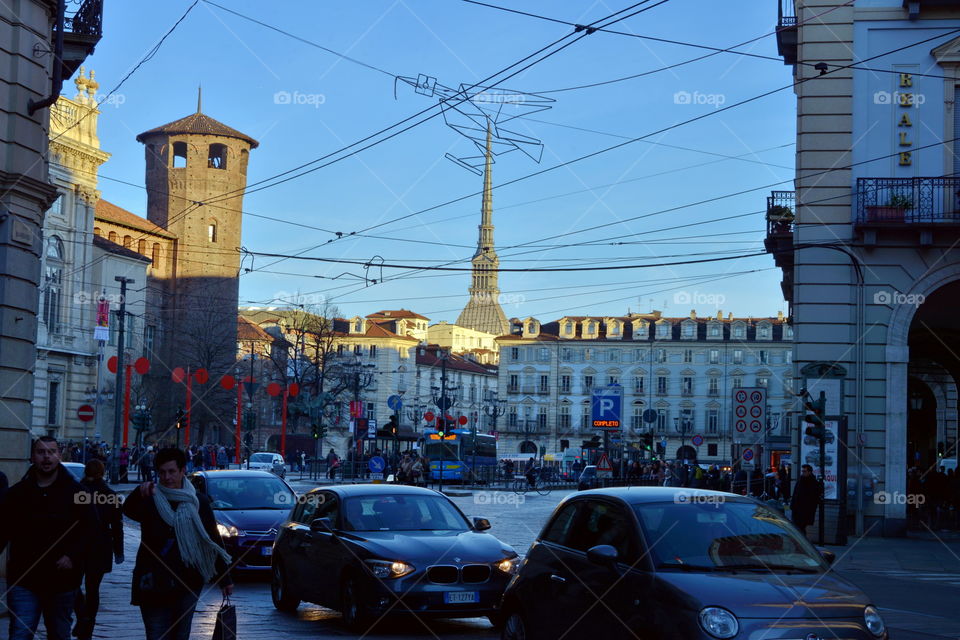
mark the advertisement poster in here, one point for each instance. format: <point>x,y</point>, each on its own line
<point>810,454</point>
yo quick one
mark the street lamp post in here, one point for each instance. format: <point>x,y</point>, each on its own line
<point>98,397</point>
<point>494,408</point>
<point>444,397</point>
<point>121,329</point>
<point>362,375</point>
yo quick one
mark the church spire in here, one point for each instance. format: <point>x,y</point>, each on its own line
<point>483,312</point>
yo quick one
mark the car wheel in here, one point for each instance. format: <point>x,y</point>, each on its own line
<point>514,627</point>
<point>355,617</point>
<point>282,597</point>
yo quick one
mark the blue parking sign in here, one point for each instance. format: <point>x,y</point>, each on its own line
<point>605,407</point>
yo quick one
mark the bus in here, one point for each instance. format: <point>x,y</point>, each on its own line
<point>561,464</point>
<point>460,452</point>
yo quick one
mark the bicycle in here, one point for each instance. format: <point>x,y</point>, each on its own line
<point>520,485</point>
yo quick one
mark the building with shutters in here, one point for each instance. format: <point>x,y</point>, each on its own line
<point>684,369</point>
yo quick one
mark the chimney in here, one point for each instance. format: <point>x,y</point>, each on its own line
<point>780,315</point>
<point>693,314</point>
<point>719,314</point>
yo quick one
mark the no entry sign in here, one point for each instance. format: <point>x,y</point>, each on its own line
<point>85,413</point>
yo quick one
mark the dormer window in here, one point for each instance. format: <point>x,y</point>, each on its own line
<point>532,327</point>
<point>568,328</point>
<point>591,328</point>
<point>689,330</point>
<point>739,331</point>
<point>763,331</point>
<point>714,331</point>
<point>358,327</point>
<point>663,330</point>
<point>614,329</point>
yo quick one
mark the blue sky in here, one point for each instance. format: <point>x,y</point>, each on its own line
<point>247,71</point>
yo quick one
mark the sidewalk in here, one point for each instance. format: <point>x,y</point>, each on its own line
<point>917,553</point>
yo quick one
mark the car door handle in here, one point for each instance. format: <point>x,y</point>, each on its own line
<point>557,578</point>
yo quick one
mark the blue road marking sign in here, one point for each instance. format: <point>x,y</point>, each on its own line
<point>395,403</point>
<point>606,405</point>
<point>377,464</point>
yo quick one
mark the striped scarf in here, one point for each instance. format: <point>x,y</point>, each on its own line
<point>197,550</point>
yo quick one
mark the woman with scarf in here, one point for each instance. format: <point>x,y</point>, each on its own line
<point>180,549</point>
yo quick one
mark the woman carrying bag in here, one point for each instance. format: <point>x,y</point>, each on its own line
<point>180,549</point>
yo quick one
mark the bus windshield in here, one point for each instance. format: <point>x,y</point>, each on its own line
<point>445,450</point>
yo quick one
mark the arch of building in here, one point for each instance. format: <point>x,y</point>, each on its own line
<point>897,358</point>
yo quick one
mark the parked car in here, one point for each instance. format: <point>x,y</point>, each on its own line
<point>371,550</point>
<point>267,461</point>
<point>250,507</point>
<point>76,469</point>
<point>668,563</point>
<point>588,478</point>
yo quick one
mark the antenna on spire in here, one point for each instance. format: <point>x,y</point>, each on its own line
<point>199,97</point>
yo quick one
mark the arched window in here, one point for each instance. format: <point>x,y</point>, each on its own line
<point>127,242</point>
<point>244,156</point>
<point>568,328</point>
<point>142,247</point>
<point>179,155</point>
<point>112,236</point>
<point>217,156</point>
<point>212,232</point>
<point>97,231</point>
<point>53,285</point>
<point>155,255</point>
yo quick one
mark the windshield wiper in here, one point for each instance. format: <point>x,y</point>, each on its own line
<point>753,566</point>
<point>686,567</point>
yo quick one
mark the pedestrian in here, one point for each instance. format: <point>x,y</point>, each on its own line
<point>333,461</point>
<point>806,499</point>
<point>106,547</point>
<point>222,457</point>
<point>124,462</point>
<point>180,549</point>
<point>49,521</point>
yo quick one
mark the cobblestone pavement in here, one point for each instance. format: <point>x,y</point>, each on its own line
<point>915,582</point>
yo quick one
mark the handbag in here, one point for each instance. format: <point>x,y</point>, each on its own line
<point>226,625</point>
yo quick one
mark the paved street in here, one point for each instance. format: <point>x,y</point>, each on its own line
<point>915,582</point>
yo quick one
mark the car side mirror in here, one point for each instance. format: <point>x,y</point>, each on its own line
<point>481,524</point>
<point>321,525</point>
<point>603,555</point>
<point>829,556</point>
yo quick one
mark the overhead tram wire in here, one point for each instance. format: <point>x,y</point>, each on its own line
<point>588,30</point>
<point>702,116</point>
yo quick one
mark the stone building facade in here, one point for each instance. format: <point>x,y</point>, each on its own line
<point>684,369</point>
<point>29,83</point>
<point>868,250</point>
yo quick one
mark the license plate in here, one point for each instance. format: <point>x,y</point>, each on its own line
<point>267,551</point>
<point>461,597</point>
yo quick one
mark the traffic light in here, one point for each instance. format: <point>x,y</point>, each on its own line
<point>392,427</point>
<point>319,431</point>
<point>814,418</point>
<point>940,449</point>
<point>179,418</point>
<point>441,427</point>
<point>646,441</point>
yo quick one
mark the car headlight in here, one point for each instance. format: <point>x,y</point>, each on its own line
<point>507,565</point>
<point>871,617</point>
<point>388,568</point>
<point>718,622</point>
<point>228,531</point>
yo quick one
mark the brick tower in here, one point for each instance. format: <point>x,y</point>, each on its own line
<point>196,173</point>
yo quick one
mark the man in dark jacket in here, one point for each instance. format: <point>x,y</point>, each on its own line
<point>47,521</point>
<point>806,499</point>
<point>166,586</point>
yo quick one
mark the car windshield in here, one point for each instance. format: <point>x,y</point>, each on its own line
<point>235,493</point>
<point>402,513</point>
<point>718,535</point>
<point>76,470</point>
<point>261,457</point>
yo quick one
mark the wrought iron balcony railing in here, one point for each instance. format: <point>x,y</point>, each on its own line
<point>787,31</point>
<point>780,213</point>
<point>918,201</point>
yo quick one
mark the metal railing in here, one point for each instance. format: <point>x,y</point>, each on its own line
<point>781,211</point>
<point>908,200</point>
<point>88,20</point>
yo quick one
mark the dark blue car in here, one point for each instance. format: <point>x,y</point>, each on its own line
<point>665,563</point>
<point>250,506</point>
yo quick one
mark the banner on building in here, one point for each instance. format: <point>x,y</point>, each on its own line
<point>102,330</point>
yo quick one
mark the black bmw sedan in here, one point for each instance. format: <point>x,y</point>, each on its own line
<point>666,563</point>
<point>249,507</point>
<point>375,550</point>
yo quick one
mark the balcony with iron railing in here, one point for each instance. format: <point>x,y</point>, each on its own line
<point>787,31</point>
<point>781,214</point>
<point>82,31</point>
<point>894,206</point>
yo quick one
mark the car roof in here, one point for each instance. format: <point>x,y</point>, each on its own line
<point>641,495</point>
<point>269,453</point>
<point>234,473</point>
<point>348,490</point>
<point>72,464</point>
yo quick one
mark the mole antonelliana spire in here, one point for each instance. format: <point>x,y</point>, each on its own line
<point>483,312</point>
